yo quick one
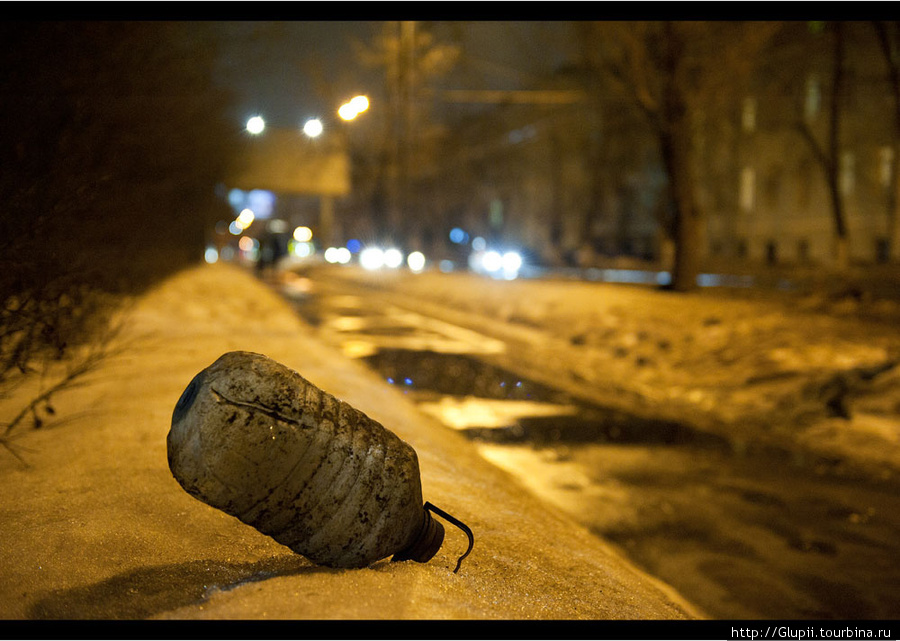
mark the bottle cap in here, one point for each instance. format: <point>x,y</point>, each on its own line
<point>426,545</point>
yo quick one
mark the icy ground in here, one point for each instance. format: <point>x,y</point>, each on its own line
<point>813,374</point>
<point>96,527</point>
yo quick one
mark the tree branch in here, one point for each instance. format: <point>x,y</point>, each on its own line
<point>817,150</point>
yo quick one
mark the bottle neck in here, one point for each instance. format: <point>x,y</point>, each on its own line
<point>431,536</point>
<point>427,542</point>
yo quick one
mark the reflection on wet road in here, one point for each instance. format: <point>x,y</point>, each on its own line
<point>742,535</point>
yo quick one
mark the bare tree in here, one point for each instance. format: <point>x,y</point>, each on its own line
<point>889,41</point>
<point>827,153</point>
<point>111,143</point>
<point>674,72</point>
<point>411,57</point>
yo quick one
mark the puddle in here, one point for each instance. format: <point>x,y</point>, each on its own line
<point>457,375</point>
<point>466,386</point>
<point>462,390</point>
<point>308,309</point>
<point>387,331</point>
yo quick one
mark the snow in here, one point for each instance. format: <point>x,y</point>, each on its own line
<point>756,367</point>
<point>96,527</point>
<point>794,516</point>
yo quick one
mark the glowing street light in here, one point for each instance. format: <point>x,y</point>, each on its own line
<point>371,258</point>
<point>416,261</point>
<point>303,234</point>
<point>313,127</point>
<point>360,103</point>
<point>350,110</point>
<point>245,218</point>
<point>256,125</point>
<point>393,258</point>
<point>347,112</point>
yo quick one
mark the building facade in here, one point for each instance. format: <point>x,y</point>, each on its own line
<point>581,182</point>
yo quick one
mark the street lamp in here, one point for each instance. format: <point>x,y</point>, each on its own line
<point>303,234</point>
<point>350,110</point>
<point>256,125</point>
<point>246,218</point>
<point>313,127</point>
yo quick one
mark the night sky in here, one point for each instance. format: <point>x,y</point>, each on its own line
<point>284,70</point>
<point>273,66</point>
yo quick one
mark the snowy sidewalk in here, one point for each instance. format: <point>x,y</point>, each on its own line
<point>98,528</point>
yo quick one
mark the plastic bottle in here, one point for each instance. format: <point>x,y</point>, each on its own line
<point>256,440</point>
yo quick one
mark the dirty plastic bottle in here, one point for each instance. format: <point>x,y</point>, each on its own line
<point>256,440</point>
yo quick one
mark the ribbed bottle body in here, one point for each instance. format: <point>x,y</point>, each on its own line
<point>255,439</point>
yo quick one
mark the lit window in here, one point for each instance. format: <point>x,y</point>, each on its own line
<point>885,165</point>
<point>848,173</point>
<point>748,115</point>
<point>748,186</point>
<point>813,97</point>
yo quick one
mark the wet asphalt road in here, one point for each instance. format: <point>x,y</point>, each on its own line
<point>741,534</point>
